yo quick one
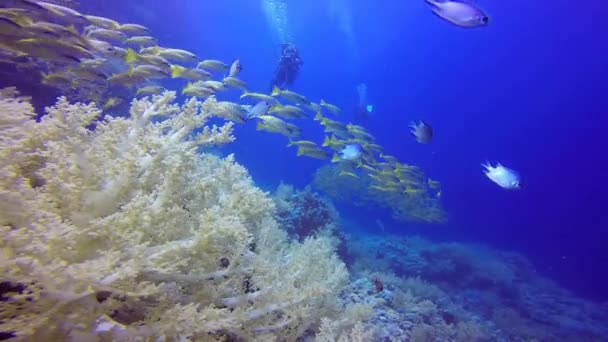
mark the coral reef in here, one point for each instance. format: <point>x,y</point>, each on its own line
<point>398,314</point>
<point>418,203</point>
<point>118,228</point>
<point>305,213</point>
<point>490,294</point>
<point>127,230</point>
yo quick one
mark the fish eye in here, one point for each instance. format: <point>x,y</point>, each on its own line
<point>485,19</point>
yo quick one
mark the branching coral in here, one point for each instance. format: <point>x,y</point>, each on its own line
<point>125,230</point>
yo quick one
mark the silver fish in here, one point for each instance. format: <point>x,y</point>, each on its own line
<point>235,68</point>
<point>261,108</point>
<point>460,13</point>
<point>422,131</point>
<point>503,176</point>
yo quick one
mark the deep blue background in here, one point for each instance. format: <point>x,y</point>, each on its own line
<point>529,91</point>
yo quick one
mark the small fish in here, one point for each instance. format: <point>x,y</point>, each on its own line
<point>506,178</point>
<point>335,127</point>
<point>56,50</point>
<point>261,108</point>
<point>433,184</point>
<point>290,96</point>
<point>59,80</point>
<point>133,29</point>
<point>422,131</point>
<point>175,55</point>
<point>388,158</point>
<point>95,63</point>
<point>350,152</point>
<point>348,173</point>
<point>305,143</point>
<point>213,65</point>
<point>29,5</point>
<point>178,71</point>
<point>379,188</point>
<point>99,46</point>
<point>9,27</point>
<point>258,96</point>
<point>460,13</point>
<point>315,107</point>
<point>235,82</point>
<point>149,90</point>
<point>313,152</point>
<point>235,68</point>
<point>141,41</point>
<point>91,75</point>
<point>215,85</point>
<point>231,111</point>
<point>359,132</point>
<point>366,167</point>
<point>102,22</point>
<point>288,112</point>
<point>73,4</point>
<point>110,36</point>
<point>332,108</point>
<point>375,148</point>
<point>62,13</point>
<point>198,90</point>
<point>18,15</point>
<point>273,124</point>
<point>150,50</point>
<point>150,71</point>
<point>333,143</point>
<point>410,190</point>
<point>126,78</point>
<point>131,56</point>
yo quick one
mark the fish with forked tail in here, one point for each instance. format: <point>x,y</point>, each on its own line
<point>464,13</point>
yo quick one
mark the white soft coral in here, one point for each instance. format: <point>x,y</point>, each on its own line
<point>130,218</point>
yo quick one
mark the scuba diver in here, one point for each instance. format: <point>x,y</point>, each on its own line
<point>362,110</point>
<point>361,114</point>
<point>288,67</point>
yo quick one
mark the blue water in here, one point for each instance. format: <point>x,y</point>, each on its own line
<point>527,91</point>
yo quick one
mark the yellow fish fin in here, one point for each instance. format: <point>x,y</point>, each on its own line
<point>260,126</point>
<point>326,141</point>
<point>177,70</point>
<point>130,56</point>
<point>275,91</point>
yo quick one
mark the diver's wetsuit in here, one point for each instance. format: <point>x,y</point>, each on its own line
<point>361,115</point>
<point>288,67</point>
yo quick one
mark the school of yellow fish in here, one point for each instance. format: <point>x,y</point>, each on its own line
<point>93,56</point>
